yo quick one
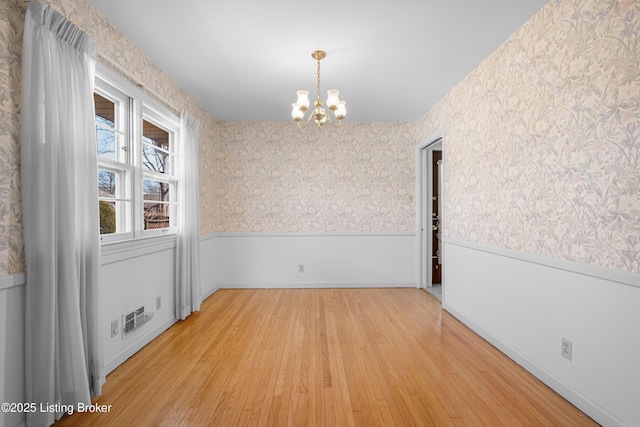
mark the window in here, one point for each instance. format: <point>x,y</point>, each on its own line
<point>137,177</point>
<point>114,166</point>
<point>158,183</point>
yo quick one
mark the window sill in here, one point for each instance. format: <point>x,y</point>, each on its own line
<point>121,250</point>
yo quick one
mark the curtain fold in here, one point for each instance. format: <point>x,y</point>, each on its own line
<point>63,351</point>
<point>188,293</point>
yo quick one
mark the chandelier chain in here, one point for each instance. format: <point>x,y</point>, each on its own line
<point>318,79</point>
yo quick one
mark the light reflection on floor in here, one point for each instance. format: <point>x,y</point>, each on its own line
<point>436,290</point>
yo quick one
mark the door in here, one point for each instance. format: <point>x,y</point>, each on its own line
<point>436,226</point>
<point>430,198</point>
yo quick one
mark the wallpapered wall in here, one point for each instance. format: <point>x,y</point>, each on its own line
<point>542,145</point>
<point>276,178</point>
<point>117,52</point>
<point>543,139</point>
<point>11,30</point>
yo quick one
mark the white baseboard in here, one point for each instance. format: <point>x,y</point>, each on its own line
<point>136,346</point>
<point>209,293</point>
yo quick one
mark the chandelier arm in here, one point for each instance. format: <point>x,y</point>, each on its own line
<point>336,120</point>
<point>306,121</point>
<point>335,123</point>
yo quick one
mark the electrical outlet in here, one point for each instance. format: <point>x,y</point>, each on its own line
<point>566,349</point>
<point>158,302</point>
<point>300,268</point>
<point>114,328</point>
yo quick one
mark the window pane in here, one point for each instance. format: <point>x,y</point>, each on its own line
<point>152,134</point>
<point>155,190</point>
<point>106,184</point>
<point>105,120</point>
<point>106,142</point>
<point>154,159</point>
<point>114,216</point>
<point>156,215</point>
<point>105,110</point>
<point>156,206</point>
<point>107,217</point>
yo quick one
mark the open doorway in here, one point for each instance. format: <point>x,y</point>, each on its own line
<point>430,210</point>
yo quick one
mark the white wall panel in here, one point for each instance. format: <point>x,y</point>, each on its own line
<point>12,386</point>
<point>208,265</point>
<point>329,260</point>
<point>525,304</point>
<point>127,283</point>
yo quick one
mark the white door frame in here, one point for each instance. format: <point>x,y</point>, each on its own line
<point>424,207</point>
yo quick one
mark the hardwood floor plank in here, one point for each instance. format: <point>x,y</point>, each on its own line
<point>324,357</point>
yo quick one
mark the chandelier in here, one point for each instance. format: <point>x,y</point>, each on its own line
<point>319,114</point>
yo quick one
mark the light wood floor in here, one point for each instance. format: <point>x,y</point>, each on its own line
<point>324,357</point>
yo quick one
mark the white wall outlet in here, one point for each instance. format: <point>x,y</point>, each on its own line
<point>566,349</point>
<point>114,328</point>
<point>300,268</point>
<point>158,302</point>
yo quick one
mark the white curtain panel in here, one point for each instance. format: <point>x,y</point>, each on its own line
<point>60,214</point>
<point>188,293</point>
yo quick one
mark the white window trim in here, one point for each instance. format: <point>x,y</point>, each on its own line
<point>142,106</point>
<point>152,114</point>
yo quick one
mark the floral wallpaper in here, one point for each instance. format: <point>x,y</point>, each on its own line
<point>356,178</point>
<point>542,140</point>
<point>542,145</point>
<point>11,245</point>
<point>117,52</point>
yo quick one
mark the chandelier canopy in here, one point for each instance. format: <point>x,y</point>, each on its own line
<point>319,115</point>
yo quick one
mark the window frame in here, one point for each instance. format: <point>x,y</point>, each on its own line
<point>136,107</point>
<point>151,114</point>
<point>121,164</point>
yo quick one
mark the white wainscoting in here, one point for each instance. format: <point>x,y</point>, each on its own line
<point>208,265</point>
<point>131,273</point>
<point>12,280</point>
<point>130,277</point>
<point>12,386</point>
<point>272,260</point>
<point>524,304</point>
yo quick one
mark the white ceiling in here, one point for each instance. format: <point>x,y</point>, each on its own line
<point>245,59</point>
